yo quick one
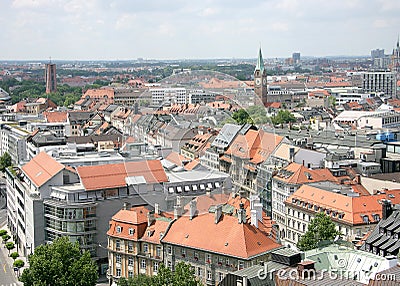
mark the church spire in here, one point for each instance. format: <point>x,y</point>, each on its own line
<point>260,62</point>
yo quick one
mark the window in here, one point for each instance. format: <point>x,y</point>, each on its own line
<point>119,229</point>
<point>130,274</point>
<point>118,272</point>
<point>143,264</point>
<point>196,255</point>
<point>365,218</point>
<point>208,275</point>
<point>131,231</point>
<point>241,264</point>
<point>169,250</point>
<point>183,252</point>
<point>130,260</point>
<point>118,244</point>
<point>158,251</point>
<point>220,276</point>
<point>208,258</point>
<point>200,272</point>
<point>118,258</point>
<point>130,246</point>
<point>155,266</point>
<point>145,248</point>
<point>227,262</point>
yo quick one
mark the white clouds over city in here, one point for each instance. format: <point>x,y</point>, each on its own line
<point>123,29</point>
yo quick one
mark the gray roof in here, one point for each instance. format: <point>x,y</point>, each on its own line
<point>226,135</point>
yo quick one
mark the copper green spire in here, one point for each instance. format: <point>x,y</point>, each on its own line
<point>260,62</point>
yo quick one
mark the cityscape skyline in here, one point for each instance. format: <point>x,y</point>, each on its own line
<point>119,30</point>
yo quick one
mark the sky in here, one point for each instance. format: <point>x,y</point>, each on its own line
<point>194,29</point>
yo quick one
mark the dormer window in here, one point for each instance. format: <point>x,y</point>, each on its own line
<point>376,217</point>
<point>119,229</point>
<point>131,231</point>
<point>365,219</point>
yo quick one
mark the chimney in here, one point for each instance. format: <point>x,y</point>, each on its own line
<point>177,212</point>
<point>258,207</point>
<point>127,206</point>
<point>208,192</point>
<point>192,209</point>
<point>253,200</point>
<point>218,213</point>
<point>305,269</point>
<point>241,214</point>
<point>157,208</point>
<point>386,209</point>
<point>178,200</point>
<point>254,220</point>
<point>150,218</point>
<point>291,155</point>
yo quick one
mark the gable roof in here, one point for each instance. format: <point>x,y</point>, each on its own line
<point>113,175</point>
<point>228,236</point>
<point>41,169</point>
<point>56,116</point>
<point>296,173</point>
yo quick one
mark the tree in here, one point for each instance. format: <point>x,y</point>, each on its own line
<point>184,275</point>
<point>5,237</point>
<point>5,161</point>
<point>283,116</point>
<point>60,263</point>
<point>14,255</point>
<point>163,277</point>
<point>258,114</point>
<point>10,245</point>
<point>242,117</point>
<point>139,280</point>
<point>19,263</point>
<point>3,232</point>
<point>320,228</point>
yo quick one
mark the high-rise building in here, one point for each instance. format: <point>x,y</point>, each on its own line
<point>260,79</point>
<point>51,80</point>
<point>379,82</point>
<point>296,58</point>
<point>377,53</point>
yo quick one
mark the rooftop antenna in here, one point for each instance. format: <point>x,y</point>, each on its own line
<point>50,59</point>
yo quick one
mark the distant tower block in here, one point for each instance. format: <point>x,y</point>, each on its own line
<point>260,79</point>
<point>51,80</point>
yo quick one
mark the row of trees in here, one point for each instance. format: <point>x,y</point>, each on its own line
<point>18,263</point>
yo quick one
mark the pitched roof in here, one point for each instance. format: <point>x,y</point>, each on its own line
<point>41,169</point>
<point>56,116</point>
<point>228,236</point>
<point>353,208</point>
<point>296,173</point>
<point>113,175</point>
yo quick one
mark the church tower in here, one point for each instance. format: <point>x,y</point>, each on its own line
<point>260,79</point>
<point>395,63</point>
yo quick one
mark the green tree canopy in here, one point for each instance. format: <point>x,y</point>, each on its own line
<point>258,114</point>
<point>5,161</point>
<point>3,232</point>
<point>10,245</point>
<point>283,116</point>
<point>18,263</point>
<point>320,228</point>
<point>14,255</point>
<point>242,117</point>
<point>60,263</point>
<point>182,276</point>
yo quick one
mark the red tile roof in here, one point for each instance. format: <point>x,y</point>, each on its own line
<point>353,208</point>
<point>113,175</point>
<point>56,116</point>
<point>228,236</point>
<point>302,175</point>
<point>41,169</point>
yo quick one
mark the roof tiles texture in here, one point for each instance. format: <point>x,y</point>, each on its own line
<point>228,236</point>
<point>42,168</point>
<point>113,175</point>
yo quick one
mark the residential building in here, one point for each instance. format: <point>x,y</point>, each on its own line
<point>134,242</point>
<point>13,141</point>
<point>354,214</point>
<point>286,182</point>
<point>200,97</point>
<point>195,147</point>
<point>172,95</point>
<point>234,245</point>
<point>384,238</point>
